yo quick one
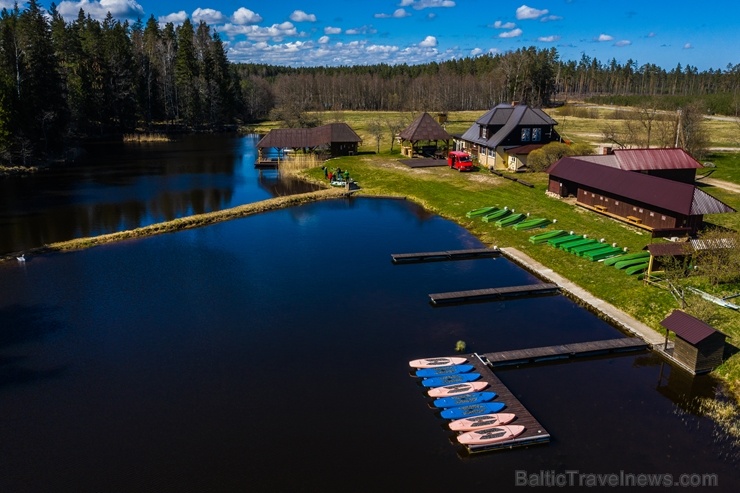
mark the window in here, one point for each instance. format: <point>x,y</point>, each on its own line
<point>483,132</point>
<point>536,134</point>
<point>662,218</point>
<point>526,133</point>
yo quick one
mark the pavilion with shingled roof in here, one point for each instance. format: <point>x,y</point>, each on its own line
<point>421,138</point>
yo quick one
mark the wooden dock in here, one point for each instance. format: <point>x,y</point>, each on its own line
<point>533,434</point>
<point>564,351</point>
<point>406,258</point>
<point>490,294</point>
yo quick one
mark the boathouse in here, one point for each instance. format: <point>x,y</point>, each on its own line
<point>698,346</point>
<point>332,140</point>
<point>505,135</point>
<point>423,136</point>
<point>643,200</point>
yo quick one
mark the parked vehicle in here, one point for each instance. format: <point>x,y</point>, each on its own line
<point>460,160</point>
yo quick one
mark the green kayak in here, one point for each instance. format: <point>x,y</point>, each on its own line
<point>495,216</point>
<point>547,235</point>
<point>538,222</point>
<point>481,212</point>
<point>509,220</point>
<point>626,256</point>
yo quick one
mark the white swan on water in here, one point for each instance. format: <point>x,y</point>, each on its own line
<point>22,258</point>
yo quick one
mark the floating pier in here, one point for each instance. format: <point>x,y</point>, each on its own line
<point>407,258</point>
<point>493,293</point>
<point>534,432</point>
<point>564,351</point>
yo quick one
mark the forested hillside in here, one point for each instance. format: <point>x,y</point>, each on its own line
<point>63,81</point>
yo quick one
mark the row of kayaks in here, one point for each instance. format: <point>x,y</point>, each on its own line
<point>504,217</point>
<point>459,394</point>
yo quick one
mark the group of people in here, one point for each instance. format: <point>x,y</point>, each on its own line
<point>336,175</point>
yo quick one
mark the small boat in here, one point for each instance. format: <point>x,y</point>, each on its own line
<point>490,435</point>
<point>570,245</point>
<point>494,216</point>
<point>581,250</point>
<point>435,362</point>
<point>626,256</point>
<point>547,235</point>
<point>481,212</point>
<point>555,242</point>
<point>637,269</point>
<point>510,220</point>
<point>481,422</point>
<point>457,389</point>
<point>443,370</point>
<point>537,222</point>
<point>603,253</point>
<point>464,400</point>
<point>472,410</point>
<point>623,264</point>
<point>450,379</point>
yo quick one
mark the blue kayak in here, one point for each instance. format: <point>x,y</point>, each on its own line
<point>443,370</point>
<point>464,400</point>
<point>450,379</point>
<point>472,410</point>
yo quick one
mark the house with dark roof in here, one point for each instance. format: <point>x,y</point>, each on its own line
<point>650,202</point>
<point>671,163</point>
<point>698,347</point>
<point>422,136</point>
<point>334,139</point>
<point>505,135</point>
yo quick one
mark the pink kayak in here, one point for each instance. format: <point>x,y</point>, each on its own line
<point>490,435</point>
<point>457,389</point>
<point>436,362</point>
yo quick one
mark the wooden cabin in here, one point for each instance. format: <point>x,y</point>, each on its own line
<point>505,135</point>
<point>643,200</point>
<point>698,346</point>
<point>334,139</point>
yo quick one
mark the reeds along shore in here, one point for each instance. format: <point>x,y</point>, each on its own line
<point>146,137</point>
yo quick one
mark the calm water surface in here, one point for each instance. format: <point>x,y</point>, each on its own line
<point>119,186</point>
<point>270,354</point>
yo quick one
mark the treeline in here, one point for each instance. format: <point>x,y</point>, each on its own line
<point>63,81</point>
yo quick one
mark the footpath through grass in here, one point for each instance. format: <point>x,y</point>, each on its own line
<point>451,194</point>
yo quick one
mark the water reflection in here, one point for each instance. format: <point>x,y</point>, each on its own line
<point>119,186</point>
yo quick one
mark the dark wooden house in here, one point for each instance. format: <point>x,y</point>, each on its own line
<point>505,135</point>
<point>647,201</point>
<point>423,137</point>
<point>698,346</point>
<point>334,139</point>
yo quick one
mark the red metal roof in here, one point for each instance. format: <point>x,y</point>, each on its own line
<point>654,159</point>
<point>688,328</point>
<point>670,195</point>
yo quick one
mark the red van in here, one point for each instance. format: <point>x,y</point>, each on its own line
<point>460,161</point>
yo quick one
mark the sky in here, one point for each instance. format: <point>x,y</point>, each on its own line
<point>705,35</point>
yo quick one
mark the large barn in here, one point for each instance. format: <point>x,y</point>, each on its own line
<point>505,135</point>
<point>644,200</point>
<point>334,139</point>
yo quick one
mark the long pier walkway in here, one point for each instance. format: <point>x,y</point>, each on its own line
<point>564,351</point>
<point>493,293</point>
<point>473,253</point>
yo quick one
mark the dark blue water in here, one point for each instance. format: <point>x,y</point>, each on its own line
<point>120,186</point>
<point>270,354</point>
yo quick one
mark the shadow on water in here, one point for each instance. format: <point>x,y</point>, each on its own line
<point>22,325</point>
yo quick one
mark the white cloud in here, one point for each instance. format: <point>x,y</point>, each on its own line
<point>515,33</point>
<point>397,14</point>
<point>301,16</point>
<point>525,12</point>
<point>426,4</point>
<point>323,40</point>
<point>98,9</point>
<point>687,46</point>
<point>362,30</point>
<point>332,30</point>
<point>548,39</point>
<point>210,16</point>
<point>245,16</point>
<point>175,18</point>
<point>475,52</point>
<point>504,25</point>
<point>604,37</point>
<point>429,42</point>
<point>622,43</point>
<point>276,32</point>
<point>651,35</point>
<point>549,18</point>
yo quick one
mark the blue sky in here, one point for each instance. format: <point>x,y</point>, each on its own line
<point>351,32</point>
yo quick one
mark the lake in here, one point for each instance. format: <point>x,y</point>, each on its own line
<point>270,353</point>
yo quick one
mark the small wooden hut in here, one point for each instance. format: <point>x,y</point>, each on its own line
<point>698,346</point>
<point>422,137</point>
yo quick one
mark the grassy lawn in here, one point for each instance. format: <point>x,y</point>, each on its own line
<point>451,194</point>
